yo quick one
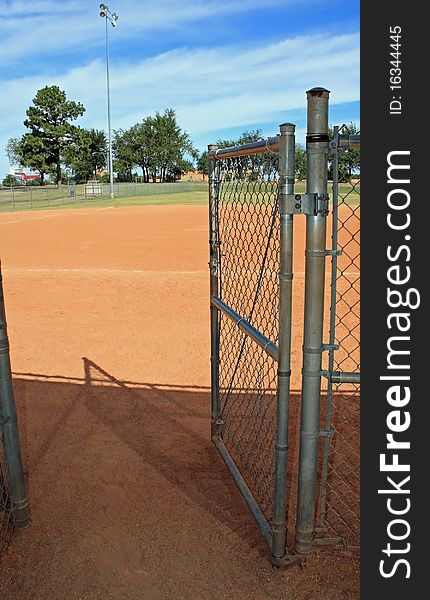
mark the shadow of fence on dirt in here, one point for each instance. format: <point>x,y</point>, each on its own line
<point>75,430</point>
<point>167,428</point>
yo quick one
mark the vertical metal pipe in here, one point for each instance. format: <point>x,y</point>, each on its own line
<point>332,334</point>
<point>12,450</point>
<point>108,113</point>
<point>214,288</point>
<point>286,186</point>
<point>317,153</point>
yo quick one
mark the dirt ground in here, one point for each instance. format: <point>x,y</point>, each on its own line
<point>109,330</point>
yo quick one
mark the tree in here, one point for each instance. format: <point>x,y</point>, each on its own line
<point>202,163</point>
<point>50,128</point>
<point>11,181</point>
<point>12,152</point>
<point>157,145</point>
<point>167,145</point>
<point>301,163</point>
<point>132,148</point>
<point>87,154</point>
<point>247,137</point>
<point>32,152</point>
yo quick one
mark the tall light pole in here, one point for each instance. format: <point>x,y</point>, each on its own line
<point>112,18</point>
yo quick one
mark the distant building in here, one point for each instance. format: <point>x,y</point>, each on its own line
<point>24,175</point>
<point>192,176</point>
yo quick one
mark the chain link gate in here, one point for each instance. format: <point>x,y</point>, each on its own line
<point>252,205</point>
<point>14,510</point>
<point>251,285</point>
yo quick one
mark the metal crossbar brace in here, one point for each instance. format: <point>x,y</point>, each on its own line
<point>344,377</point>
<point>260,339</point>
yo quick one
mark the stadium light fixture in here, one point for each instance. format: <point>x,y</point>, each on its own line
<point>112,18</point>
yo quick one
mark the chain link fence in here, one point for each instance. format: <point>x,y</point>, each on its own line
<point>248,214</point>
<point>253,200</point>
<point>32,197</point>
<point>251,248</point>
<point>339,509</point>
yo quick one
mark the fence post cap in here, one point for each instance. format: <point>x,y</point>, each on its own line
<point>287,127</point>
<point>318,92</point>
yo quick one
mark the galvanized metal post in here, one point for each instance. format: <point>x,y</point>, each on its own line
<point>317,154</point>
<point>12,449</point>
<point>214,287</point>
<point>332,334</point>
<point>286,186</point>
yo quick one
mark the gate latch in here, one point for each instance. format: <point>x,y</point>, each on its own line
<point>306,204</point>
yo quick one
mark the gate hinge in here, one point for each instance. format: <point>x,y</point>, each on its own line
<point>305,204</point>
<point>218,426</point>
<point>337,252</point>
<point>334,148</point>
<point>213,266</point>
<point>327,433</point>
<point>328,347</point>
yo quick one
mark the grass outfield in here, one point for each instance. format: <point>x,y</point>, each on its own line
<point>348,194</point>
<point>149,200</point>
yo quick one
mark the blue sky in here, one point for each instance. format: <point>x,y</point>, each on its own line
<point>225,66</point>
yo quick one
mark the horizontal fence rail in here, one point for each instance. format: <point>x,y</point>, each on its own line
<point>261,146</point>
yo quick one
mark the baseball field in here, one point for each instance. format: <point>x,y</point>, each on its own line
<point>108,315</point>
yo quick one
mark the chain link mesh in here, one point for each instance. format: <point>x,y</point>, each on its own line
<point>340,495</point>
<point>248,219</point>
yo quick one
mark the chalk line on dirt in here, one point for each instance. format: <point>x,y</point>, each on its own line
<point>106,271</point>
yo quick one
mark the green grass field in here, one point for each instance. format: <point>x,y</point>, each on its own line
<point>150,200</point>
<point>50,198</point>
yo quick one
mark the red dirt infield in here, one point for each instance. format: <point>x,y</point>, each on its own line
<point>108,316</point>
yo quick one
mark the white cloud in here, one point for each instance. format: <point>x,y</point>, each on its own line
<point>49,27</point>
<point>211,89</point>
